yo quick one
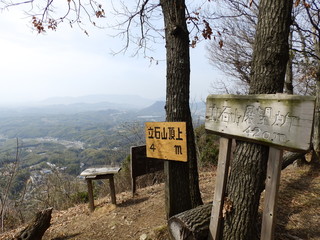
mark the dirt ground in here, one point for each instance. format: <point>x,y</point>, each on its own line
<point>143,217</point>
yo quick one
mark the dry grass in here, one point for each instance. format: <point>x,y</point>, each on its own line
<point>144,215</point>
<point>299,204</point>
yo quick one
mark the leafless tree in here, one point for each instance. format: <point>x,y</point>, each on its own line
<point>9,173</point>
<point>232,51</point>
<point>133,132</point>
<point>311,51</point>
<point>232,54</point>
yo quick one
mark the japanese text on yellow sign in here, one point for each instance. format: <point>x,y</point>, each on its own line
<point>167,140</point>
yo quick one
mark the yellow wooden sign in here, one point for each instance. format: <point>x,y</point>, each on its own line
<point>167,140</point>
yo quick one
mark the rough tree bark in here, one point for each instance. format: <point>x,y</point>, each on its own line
<point>248,170</point>
<point>36,229</point>
<point>316,128</point>
<point>192,224</point>
<point>316,124</point>
<point>288,87</point>
<point>182,185</point>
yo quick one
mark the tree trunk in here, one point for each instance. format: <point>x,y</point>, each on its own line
<point>248,170</point>
<point>36,229</point>
<point>288,87</point>
<point>182,185</point>
<point>245,184</point>
<point>316,129</point>
<point>315,160</point>
<point>316,123</point>
<point>290,157</point>
<point>192,224</point>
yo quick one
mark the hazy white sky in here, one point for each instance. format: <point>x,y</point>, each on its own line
<point>67,62</point>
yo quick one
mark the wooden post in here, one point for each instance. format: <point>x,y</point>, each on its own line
<point>271,194</point>
<point>132,168</point>
<point>277,120</point>
<point>112,190</point>
<point>90,194</point>
<point>133,185</point>
<point>141,165</point>
<point>220,186</point>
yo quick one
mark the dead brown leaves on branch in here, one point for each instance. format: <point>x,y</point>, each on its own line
<point>43,20</point>
<point>220,43</point>
<point>227,206</point>
<point>297,2</point>
<point>203,27</point>
<point>195,20</point>
<point>52,24</point>
<point>100,13</point>
<point>194,42</point>
<point>37,24</point>
<point>207,31</point>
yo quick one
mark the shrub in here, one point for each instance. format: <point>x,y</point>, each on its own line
<point>207,147</point>
<point>80,197</point>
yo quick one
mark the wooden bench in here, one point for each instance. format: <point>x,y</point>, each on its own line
<point>100,173</point>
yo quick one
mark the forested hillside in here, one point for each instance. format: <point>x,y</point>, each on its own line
<point>44,149</point>
<point>87,137</point>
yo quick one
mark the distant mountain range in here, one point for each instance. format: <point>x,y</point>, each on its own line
<point>132,101</point>
<point>156,108</point>
<point>138,106</point>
